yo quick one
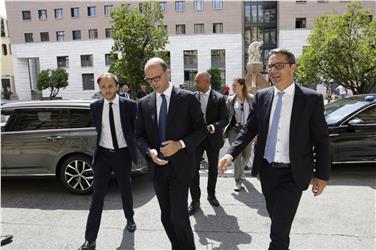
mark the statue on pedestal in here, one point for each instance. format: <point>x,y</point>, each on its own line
<point>254,78</point>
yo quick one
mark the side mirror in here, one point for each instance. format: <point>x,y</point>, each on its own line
<point>356,122</point>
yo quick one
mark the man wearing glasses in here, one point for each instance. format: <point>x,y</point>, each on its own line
<point>290,126</point>
<point>169,127</point>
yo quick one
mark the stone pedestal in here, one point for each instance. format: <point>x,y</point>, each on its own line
<point>254,78</point>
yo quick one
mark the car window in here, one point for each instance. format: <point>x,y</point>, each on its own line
<point>40,119</point>
<point>336,111</point>
<point>6,119</point>
<point>368,115</point>
<point>80,118</point>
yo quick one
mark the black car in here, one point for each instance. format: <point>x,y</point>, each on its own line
<point>352,129</point>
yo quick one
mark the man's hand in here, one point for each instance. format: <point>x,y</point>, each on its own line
<point>154,156</point>
<point>170,148</point>
<point>318,186</point>
<point>223,163</point>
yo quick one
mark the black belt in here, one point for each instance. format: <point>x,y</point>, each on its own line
<point>111,150</point>
<point>280,165</point>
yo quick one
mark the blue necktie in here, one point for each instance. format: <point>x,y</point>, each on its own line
<point>162,121</point>
<point>272,139</point>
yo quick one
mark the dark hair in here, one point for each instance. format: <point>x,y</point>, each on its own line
<point>290,56</point>
<point>241,81</point>
<point>108,75</point>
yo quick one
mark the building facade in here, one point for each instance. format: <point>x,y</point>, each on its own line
<point>77,36</point>
<point>6,67</point>
<point>203,34</point>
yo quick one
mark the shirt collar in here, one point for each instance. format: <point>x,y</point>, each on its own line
<point>114,101</point>
<point>207,92</point>
<point>167,92</point>
<point>289,91</point>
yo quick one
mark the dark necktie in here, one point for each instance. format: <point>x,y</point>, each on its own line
<point>162,120</point>
<point>112,127</point>
<point>272,139</point>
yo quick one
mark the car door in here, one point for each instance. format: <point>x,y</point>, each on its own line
<point>357,137</point>
<point>31,140</point>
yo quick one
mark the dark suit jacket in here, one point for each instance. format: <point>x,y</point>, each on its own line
<point>217,115</point>
<point>184,122</point>
<point>128,109</point>
<point>308,132</point>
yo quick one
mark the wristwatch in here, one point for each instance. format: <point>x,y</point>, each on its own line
<point>148,152</point>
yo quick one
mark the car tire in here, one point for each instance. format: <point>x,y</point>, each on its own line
<point>76,174</point>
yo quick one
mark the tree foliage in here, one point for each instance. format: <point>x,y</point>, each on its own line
<point>53,80</point>
<point>139,34</point>
<point>215,79</point>
<point>342,50</point>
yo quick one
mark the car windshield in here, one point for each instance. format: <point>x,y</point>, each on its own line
<point>339,109</point>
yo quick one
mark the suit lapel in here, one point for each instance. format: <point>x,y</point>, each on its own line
<point>123,112</point>
<point>152,108</point>
<point>297,111</point>
<point>172,108</point>
<point>100,112</point>
<point>267,108</point>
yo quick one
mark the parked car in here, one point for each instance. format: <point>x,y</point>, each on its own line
<point>352,129</point>
<point>51,138</point>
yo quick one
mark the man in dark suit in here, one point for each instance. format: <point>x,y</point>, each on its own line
<point>290,127</point>
<point>169,127</point>
<point>213,106</point>
<point>114,119</point>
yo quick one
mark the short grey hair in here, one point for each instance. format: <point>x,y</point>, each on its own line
<point>290,56</point>
<point>154,61</point>
<point>108,75</point>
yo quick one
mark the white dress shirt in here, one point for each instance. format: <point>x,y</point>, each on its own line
<point>106,139</point>
<point>167,94</point>
<point>158,101</point>
<point>282,153</point>
<point>241,115</point>
<point>204,98</point>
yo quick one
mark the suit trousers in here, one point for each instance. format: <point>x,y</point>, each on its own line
<point>282,198</point>
<point>242,159</point>
<point>105,163</point>
<point>212,154</point>
<point>172,195</point>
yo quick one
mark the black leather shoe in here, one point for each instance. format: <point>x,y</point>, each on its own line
<point>193,207</point>
<point>6,239</point>
<point>213,201</point>
<point>88,245</point>
<point>131,226</point>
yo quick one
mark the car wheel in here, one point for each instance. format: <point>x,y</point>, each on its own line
<point>76,173</point>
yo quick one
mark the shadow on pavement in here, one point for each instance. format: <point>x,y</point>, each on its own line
<point>220,227</point>
<point>47,193</point>
<point>252,198</point>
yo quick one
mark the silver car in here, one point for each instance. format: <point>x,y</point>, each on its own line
<point>51,138</point>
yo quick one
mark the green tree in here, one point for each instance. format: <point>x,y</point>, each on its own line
<point>53,80</point>
<point>216,81</point>
<point>139,34</point>
<point>342,49</point>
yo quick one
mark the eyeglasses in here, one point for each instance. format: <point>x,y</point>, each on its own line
<point>155,78</point>
<point>278,66</point>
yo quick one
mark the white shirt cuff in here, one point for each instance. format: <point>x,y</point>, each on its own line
<point>182,144</point>
<point>212,129</point>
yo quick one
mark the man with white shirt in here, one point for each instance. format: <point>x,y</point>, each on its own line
<point>114,119</point>
<point>169,127</point>
<point>290,126</point>
<point>213,106</point>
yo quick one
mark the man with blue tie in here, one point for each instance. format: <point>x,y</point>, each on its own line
<point>169,127</point>
<point>114,118</point>
<point>290,126</point>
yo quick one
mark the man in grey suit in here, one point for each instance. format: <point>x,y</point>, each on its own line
<point>290,126</point>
